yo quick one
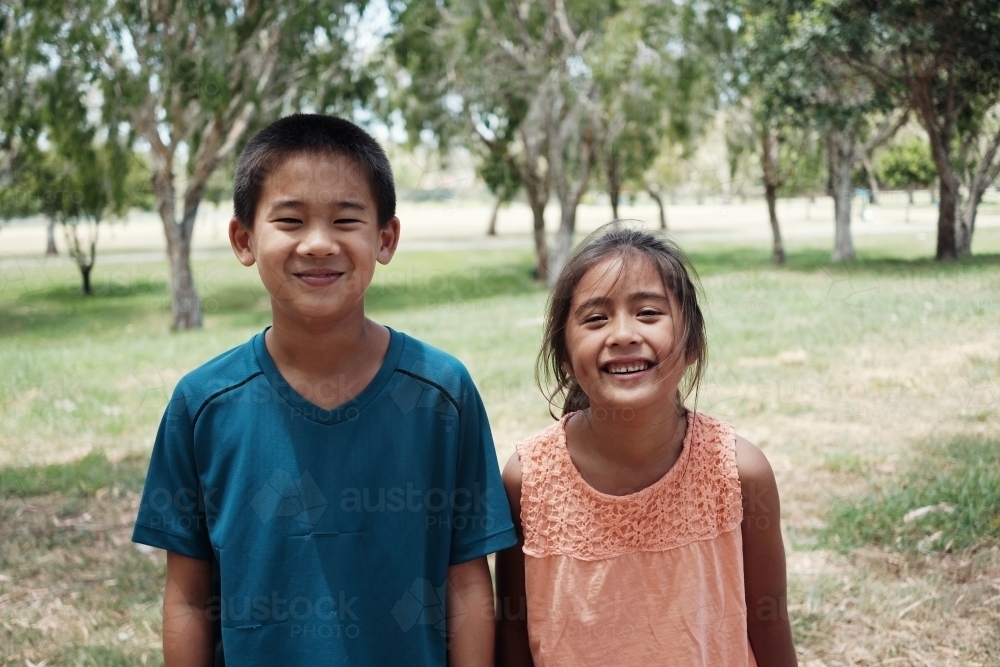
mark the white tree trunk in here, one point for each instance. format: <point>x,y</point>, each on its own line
<point>841,145</point>
<point>563,244</point>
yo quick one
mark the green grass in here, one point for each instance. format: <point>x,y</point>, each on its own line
<point>82,376</point>
<point>961,477</point>
<point>83,477</point>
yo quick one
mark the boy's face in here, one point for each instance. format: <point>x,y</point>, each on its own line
<point>315,238</point>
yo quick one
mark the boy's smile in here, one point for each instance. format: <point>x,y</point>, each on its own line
<point>621,333</point>
<point>316,238</point>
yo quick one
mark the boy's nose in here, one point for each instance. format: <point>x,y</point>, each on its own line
<point>318,242</point>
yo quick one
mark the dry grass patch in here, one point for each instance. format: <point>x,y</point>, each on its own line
<point>74,590</point>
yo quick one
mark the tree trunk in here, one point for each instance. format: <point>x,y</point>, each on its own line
<point>541,245</point>
<point>769,165</point>
<point>50,237</point>
<point>491,230</point>
<point>840,147</point>
<point>185,308</point>
<point>946,247</point>
<point>659,203</point>
<point>940,136</point>
<point>872,181</point>
<point>614,185</point>
<point>85,274</point>
<point>564,242</point>
<point>966,225</point>
<point>778,254</point>
<point>538,197</point>
<point>985,173</point>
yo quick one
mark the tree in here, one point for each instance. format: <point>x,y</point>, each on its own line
<point>501,177</point>
<point>24,30</point>
<point>906,164</point>
<point>938,58</point>
<point>79,181</point>
<point>192,79</point>
<point>528,81</point>
<point>656,68</point>
<point>780,138</point>
<point>487,75</point>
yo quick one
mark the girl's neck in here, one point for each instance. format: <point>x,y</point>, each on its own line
<point>630,450</point>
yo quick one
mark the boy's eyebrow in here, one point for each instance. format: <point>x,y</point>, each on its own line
<point>284,203</point>
<point>343,203</point>
<point>602,300</point>
<point>352,203</point>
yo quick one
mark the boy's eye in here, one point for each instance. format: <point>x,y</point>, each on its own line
<point>289,221</point>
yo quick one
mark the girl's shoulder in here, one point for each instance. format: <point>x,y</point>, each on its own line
<point>550,434</point>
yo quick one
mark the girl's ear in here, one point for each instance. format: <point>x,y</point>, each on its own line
<point>567,369</point>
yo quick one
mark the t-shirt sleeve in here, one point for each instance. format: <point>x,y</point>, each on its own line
<point>171,513</point>
<point>481,523</point>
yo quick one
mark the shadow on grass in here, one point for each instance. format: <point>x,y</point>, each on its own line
<point>82,477</point>
<point>240,300</point>
<point>948,497</point>
<point>813,260</point>
<point>61,310</point>
<point>424,280</point>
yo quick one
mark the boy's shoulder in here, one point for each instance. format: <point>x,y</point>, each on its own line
<point>429,365</point>
<point>231,369</point>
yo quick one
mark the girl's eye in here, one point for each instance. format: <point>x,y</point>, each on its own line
<point>648,312</point>
<point>593,318</point>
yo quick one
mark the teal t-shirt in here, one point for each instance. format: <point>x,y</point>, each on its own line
<point>332,530</point>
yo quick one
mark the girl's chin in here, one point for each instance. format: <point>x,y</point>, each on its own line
<point>631,404</point>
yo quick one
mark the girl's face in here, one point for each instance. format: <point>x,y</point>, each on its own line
<point>621,333</point>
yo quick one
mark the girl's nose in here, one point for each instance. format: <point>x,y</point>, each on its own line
<point>623,331</point>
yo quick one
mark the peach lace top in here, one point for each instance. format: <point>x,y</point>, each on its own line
<point>650,578</point>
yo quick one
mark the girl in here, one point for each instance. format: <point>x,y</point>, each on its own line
<point>648,533</point>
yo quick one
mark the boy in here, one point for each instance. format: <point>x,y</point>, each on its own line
<point>328,491</point>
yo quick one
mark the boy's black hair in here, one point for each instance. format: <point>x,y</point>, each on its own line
<point>310,133</point>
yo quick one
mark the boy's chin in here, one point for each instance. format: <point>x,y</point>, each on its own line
<point>321,314</point>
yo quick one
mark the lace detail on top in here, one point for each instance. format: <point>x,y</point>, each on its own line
<point>699,498</point>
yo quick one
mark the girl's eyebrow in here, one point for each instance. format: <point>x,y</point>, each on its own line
<point>644,296</point>
<point>603,300</point>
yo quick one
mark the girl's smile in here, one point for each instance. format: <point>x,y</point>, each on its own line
<point>621,335</point>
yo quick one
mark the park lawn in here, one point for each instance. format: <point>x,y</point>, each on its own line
<point>853,379</point>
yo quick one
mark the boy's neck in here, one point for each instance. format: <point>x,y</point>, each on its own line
<point>328,364</point>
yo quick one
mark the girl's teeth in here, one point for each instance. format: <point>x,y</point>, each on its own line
<point>627,369</point>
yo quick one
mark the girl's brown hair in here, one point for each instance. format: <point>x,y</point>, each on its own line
<point>629,243</point>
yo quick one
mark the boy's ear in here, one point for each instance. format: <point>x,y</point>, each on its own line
<point>388,239</point>
<point>239,239</point>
